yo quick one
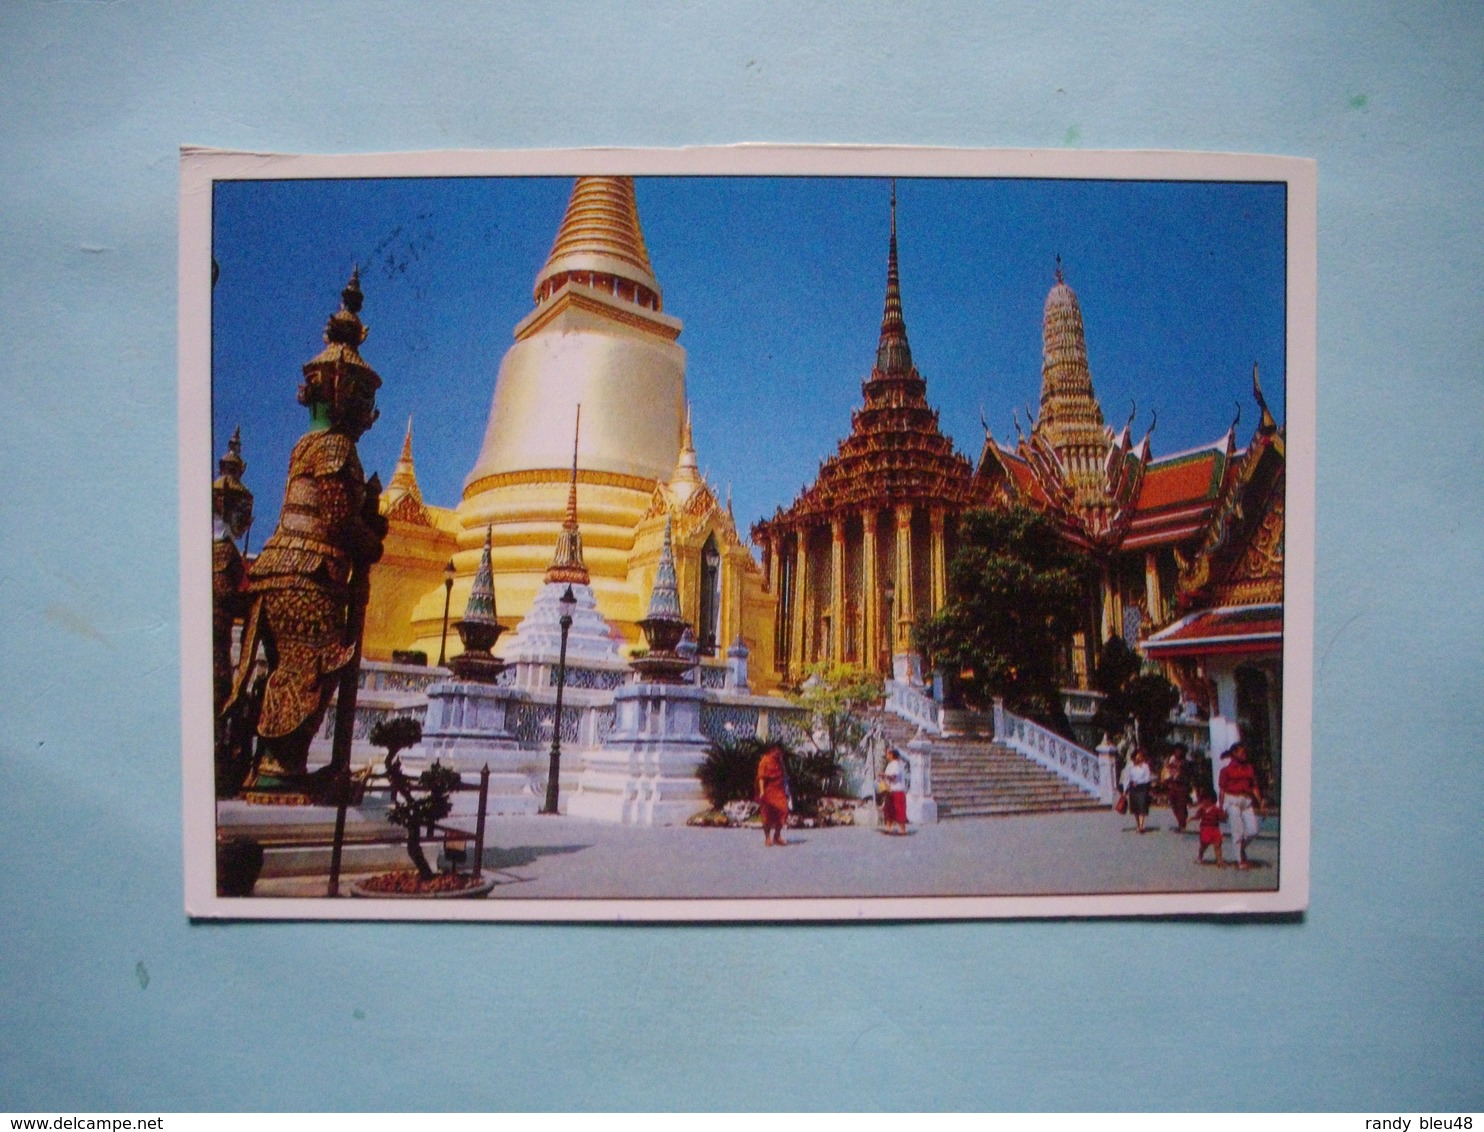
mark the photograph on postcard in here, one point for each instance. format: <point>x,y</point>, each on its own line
<point>579,540</point>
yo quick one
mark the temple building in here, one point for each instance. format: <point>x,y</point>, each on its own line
<point>598,337</point>
<point>1141,517</point>
<point>862,553</point>
<point>420,541</point>
<point>1225,647</point>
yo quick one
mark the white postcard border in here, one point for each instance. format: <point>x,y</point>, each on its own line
<point>201,167</point>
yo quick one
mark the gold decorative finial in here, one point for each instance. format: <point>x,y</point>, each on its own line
<point>893,354</point>
<point>1267,424</point>
<point>572,485</point>
<point>567,564</point>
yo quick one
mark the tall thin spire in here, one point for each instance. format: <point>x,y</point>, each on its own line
<point>481,605</point>
<point>664,598</point>
<point>404,478</point>
<point>567,564</point>
<point>893,355</point>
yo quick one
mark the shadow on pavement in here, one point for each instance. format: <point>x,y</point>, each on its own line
<point>497,858</point>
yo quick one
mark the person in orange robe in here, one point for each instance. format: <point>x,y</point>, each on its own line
<point>772,795</point>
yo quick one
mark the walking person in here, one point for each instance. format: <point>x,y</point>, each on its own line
<point>895,776</point>
<point>1176,778</point>
<point>772,795</point>
<point>1210,816</point>
<point>1241,799</point>
<point>1135,780</point>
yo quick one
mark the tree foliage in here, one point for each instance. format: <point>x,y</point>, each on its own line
<point>728,773</point>
<point>837,696</point>
<point>1133,700</point>
<point>1019,593</point>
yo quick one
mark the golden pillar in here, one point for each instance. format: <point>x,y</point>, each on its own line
<point>870,596</point>
<point>902,631</point>
<point>837,590</point>
<point>1112,606</point>
<point>939,560</point>
<point>1152,593</point>
<point>797,657</point>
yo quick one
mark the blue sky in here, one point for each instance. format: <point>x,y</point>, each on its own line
<point>779,283</point>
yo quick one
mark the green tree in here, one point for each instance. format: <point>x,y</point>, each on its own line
<point>837,696</point>
<point>1133,700</point>
<point>1020,591</point>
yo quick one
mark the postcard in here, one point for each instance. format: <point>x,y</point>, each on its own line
<point>746,533</point>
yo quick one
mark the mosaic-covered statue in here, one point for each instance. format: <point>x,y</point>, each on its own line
<point>231,516</point>
<point>308,585</point>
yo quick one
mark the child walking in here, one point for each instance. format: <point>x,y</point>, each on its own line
<point>1210,816</point>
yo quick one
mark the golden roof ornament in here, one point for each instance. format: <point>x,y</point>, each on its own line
<point>567,564</point>
<point>404,479</point>
<point>893,354</point>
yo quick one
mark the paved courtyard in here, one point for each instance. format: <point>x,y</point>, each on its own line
<point>1070,853</point>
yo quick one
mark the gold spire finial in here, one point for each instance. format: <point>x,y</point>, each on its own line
<point>893,354</point>
<point>404,478</point>
<point>567,564</point>
<point>571,520</point>
<point>1267,423</point>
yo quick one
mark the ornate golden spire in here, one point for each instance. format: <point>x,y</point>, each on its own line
<point>567,564</point>
<point>1070,420</point>
<point>893,355</point>
<point>404,479</point>
<point>600,244</point>
<point>686,480</point>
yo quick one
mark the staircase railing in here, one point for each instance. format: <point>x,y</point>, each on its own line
<point>1091,771</point>
<point>914,705</point>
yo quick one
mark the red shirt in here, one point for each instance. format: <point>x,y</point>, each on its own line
<point>1210,814</point>
<point>1238,779</point>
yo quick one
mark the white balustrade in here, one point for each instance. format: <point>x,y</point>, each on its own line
<point>1091,771</point>
<point>914,705</point>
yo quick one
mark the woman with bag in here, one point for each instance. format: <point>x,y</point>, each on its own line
<point>1135,781</point>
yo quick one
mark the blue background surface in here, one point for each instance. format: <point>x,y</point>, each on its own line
<point>111,1000</point>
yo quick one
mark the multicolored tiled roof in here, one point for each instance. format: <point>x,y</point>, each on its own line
<point>1232,629</point>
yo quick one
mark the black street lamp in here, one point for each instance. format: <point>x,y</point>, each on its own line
<point>567,603</point>
<point>447,594</point>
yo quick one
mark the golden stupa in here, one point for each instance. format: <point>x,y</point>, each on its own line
<point>599,338</point>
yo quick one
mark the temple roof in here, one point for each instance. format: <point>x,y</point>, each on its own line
<point>403,498</point>
<point>600,235</point>
<point>895,452</point>
<point>1233,629</point>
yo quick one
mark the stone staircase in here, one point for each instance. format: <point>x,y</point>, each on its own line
<point>977,777</point>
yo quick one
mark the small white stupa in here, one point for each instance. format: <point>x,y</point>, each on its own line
<point>591,641</point>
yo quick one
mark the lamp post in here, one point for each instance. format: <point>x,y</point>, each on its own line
<point>447,595</point>
<point>566,603</point>
<point>889,592</point>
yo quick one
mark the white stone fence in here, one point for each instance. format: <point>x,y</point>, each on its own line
<point>1092,771</point>
<point>914,705</point>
